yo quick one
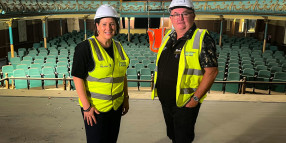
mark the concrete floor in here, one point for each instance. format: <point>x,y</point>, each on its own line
<point>54,117</point>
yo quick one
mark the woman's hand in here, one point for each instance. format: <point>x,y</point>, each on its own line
<point>125,106</point>
<point>192,103</point>
<point>89,116</point>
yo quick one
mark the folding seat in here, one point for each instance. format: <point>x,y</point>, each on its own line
<point>146,62</point>
<point>145,74</point>
<point>139,66</point>
<point>62,70</point>
<point>279,77</point>
<point>256,63</point>
<point>234,57</point>
<point>28,58</point>
<point>39,58</point>
<point>221,69</point>
<point>39,61</point>
<point>141,58</point>
<point>26,62</point>
<point>270,60</point>
<point>43,54</point>
<point>132,74</point>
<point>23,67</point>
<point>245,55</point>
<point>34,51</point>
<point>246,59</point>
<point>38,66</point>
<point>234,65</point>
<point>273,48</point>
<point>15,61</point>
<point>34,73</point>
<point>21,53</point>
<point>218,86</point>
<point>272,64</point>
<point>60,63</point>
<point>260,67</point>
<point>36,45</point>
<point>133,62</point>
<point>153,58</point>
<point>9,70</point>
<point>246,62</point>
<point>282,60</point>
<point>244,66</point>
<point>278,53</point>
<point>249,75</point>
<point>232,87</point>
<point>147,55</point>
<point>258,59</point>
<point>63,60</point>
<point>263,75</point>
<point>221,60</point>
<point>48,73</point>
<point>275,69</point>
<point>20,83</point>
<point>9,55</point>
<point>60,48</point>
<point>152,67</point>
<point>233,69</point>
<point>63,56</point>
<point>284,67</point>
<point>49,64</point>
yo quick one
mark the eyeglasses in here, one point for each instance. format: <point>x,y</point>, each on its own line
<point>185,15</point>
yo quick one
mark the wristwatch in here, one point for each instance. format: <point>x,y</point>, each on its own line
<point>196,98</point>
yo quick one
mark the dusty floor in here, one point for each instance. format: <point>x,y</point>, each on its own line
<point>53,116</point>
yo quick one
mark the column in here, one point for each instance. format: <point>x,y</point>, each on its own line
<point>128,29</point>
<point>245,28</point>
<point>85,36</point>
<point>11,37</point>
<point>44,31</point>
<point>61,27</point>
<point>265,33</point>
<point>220,34</point>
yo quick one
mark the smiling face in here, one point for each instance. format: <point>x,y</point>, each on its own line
<point>106,28</point>
<point>182,19</point>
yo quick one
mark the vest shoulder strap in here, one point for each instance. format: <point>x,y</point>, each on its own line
<point>196,45</point>
<point>96,48</point>
<point>119,49</point>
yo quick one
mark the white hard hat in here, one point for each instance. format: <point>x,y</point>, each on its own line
<point>181,3</point>
<point>105,11</point>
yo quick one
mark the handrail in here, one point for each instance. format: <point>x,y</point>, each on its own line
<point>242,82</point>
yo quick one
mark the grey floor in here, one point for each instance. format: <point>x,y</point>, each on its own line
<point>58,120</point>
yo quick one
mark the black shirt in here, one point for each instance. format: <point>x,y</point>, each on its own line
<point>83,60</point>
<point>169,62</point>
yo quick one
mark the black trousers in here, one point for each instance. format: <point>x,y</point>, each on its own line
<point>106,129</point>
<point>180,122</point>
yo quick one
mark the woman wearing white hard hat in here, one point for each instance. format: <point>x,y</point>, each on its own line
<point>99,74</point>
<point>186,68</point>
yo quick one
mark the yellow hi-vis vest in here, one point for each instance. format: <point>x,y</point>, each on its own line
<point>105,83</point>
<point>190,73</point>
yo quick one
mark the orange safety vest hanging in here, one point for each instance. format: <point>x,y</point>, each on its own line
<point>155,38</point>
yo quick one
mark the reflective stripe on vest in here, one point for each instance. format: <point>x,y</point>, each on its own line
<point>196,45</point>
<point>193,72</point>
<point>106,80</point>
<point>187,90</point>
<point>98,53</point>
<point>104,96</point>
<point>119,50</point>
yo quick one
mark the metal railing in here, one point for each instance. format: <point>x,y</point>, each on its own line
<point>67,83</point>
